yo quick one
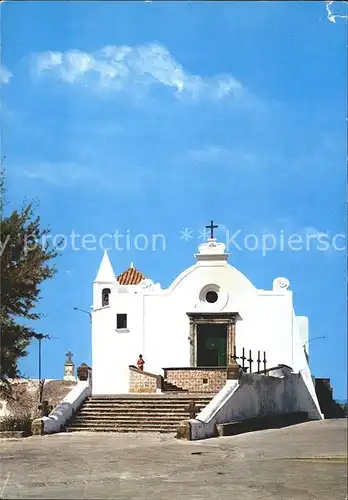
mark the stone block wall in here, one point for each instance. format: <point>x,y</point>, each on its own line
<point>23,396</point>
<point>142,382</point>
<point>200,379</point>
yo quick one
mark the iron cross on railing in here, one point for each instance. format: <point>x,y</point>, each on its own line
<point>235,357</point>
<point>250,361</point>
<point>243,358</point>
<point>192,409</point>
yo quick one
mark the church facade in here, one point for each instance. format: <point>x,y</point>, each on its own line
<point>210,310</point>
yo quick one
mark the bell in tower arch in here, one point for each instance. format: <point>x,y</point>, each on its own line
<point>105,296</point>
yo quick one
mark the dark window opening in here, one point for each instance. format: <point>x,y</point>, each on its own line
<point>105,296</point>
<point>121,321</point>
<point>211,297</point>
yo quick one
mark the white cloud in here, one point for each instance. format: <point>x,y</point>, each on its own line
<point>93,176</point>
<point>131,68</point>
<point>207,155</point>
<point>5,75</point>
<point>213,154</point>
<point>56,173</point>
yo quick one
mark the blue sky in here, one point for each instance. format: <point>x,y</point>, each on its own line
<point>154,118</point>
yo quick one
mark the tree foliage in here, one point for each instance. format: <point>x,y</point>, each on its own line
<point>26,262</point>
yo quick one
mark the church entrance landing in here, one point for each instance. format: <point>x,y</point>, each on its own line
<point>212,342</point>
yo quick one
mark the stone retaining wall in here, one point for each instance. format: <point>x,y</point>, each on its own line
<point>63,412</point>
<point>143,382</point>
<point>199,379</point>
<point>24,396</point>
<point>253,396</point>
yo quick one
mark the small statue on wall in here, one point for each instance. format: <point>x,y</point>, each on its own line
<point>140,362</point>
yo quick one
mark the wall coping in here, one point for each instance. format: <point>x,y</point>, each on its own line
<point>198,368</point>
<point>142,372</point>
<point>273,368</point>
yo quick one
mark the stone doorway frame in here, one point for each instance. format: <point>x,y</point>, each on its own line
<point>228,318</point>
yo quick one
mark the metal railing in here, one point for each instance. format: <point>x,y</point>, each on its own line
<point>249,363</point>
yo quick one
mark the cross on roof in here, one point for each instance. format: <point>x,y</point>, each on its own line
<point>212,227</point>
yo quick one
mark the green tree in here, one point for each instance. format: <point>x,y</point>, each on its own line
<point>26,262</point>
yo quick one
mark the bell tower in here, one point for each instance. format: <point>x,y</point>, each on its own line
<point>104,283</point>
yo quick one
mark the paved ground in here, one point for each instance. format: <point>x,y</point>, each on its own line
<point>307,461</point>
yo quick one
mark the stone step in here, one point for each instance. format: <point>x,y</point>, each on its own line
<point>167,399</point>
<point>145,414</point>
<point>160,418</point>
<point>124,425</point>
<point>139,408</point>
<point>173,390</point>
<point>166,414</point>
<point>147,404</point>
<point>134,418</point>
<point>123,430</point>
<point>162,411</point>
<point>169,387</point>
<point>121,426</point>
<point>129,423</point>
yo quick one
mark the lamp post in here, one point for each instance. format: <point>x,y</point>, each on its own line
<point>84,311</point>
<point>39,338</point>
<point>311,340</point>
<point>308,341</point>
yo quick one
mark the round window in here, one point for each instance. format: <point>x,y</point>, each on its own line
<point>211,296</point>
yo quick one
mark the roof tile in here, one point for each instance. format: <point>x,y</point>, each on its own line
<point>130,277</point>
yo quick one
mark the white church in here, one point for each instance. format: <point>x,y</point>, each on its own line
<point>209,312</point>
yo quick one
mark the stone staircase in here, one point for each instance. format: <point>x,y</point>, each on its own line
<point>169,387</point>
<point>329,407</point>
<point>136,413</point>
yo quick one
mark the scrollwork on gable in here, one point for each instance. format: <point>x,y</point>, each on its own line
<point>281,284</point>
